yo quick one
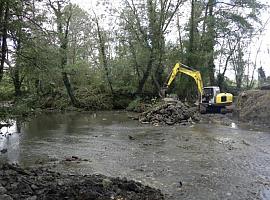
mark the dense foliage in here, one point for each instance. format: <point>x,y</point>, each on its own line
<point>54,54</point>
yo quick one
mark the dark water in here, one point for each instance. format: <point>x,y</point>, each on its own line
<point>203,161</point>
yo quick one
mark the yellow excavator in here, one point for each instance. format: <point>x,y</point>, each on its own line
<point>210,98</point>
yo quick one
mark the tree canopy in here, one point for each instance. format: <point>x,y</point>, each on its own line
<point>92,58</point>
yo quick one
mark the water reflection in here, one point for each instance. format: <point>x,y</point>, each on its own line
<point>10,141</point>
<point>265,194</point>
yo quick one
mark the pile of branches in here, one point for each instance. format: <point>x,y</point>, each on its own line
<point>170,114</point>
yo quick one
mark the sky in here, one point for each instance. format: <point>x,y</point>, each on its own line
<point>264,40</point>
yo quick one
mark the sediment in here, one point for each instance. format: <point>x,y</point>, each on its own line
<point>17,183</point>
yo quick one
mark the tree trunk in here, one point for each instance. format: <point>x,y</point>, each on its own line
<point>4,40</point>
<point>211,69</point>
<point>211,43</point>
<point>16,80</point>
<point>69,89</point>
<point>63,52</point>
<point>63,38</point>
<point>145,75</point>
<point>180,38</point>
<point>103,56</point>
<point>190,49</point>
<point>158,59</point>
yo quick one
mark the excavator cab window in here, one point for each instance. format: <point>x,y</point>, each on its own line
<point>224,98</point>
<point>208,94</point>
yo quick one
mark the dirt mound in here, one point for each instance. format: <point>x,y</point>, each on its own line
<point>170,114</point>
<point>253,106</point>
<point>34,184</point>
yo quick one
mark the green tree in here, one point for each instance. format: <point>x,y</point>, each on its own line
<point>4,23</point>
<point>146,24</point>
<point>63,16</point>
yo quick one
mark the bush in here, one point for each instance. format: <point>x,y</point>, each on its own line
<point>94,99</point>
<point>6,89</point>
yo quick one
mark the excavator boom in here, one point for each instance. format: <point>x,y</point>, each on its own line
<point>181,68</point>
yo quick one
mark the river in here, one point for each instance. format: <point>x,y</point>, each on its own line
<point>200,161</point>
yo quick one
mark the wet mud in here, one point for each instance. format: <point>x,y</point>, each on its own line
<point>42,184</point>
<point>198,161</point>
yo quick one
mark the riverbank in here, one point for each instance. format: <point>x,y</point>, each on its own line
<point>250,107</point>
<point>17,183</point>
<point>253,107</point>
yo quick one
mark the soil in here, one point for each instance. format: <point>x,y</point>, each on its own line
<point>39,183</point>
<point>170,113</point>
<point>253,106</point>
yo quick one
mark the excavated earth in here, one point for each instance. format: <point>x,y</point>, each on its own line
<point>37,183</point>
<point>253,106</point>
<point>170,113</point>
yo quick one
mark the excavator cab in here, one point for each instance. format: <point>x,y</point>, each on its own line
<point>209,94</point>
<point>215,101</point>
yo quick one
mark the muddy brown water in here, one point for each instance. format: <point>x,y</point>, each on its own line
<point>202,161</point>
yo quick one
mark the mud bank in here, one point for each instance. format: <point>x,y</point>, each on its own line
<point>253,106</point>
<point>39,183</point>
<point>182,114</point>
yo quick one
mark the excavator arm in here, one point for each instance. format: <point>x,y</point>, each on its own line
<point>181,68</point>
<point>213,100</point>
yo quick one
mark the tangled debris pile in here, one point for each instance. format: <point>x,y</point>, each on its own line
<point>170,113</point>
<point>34,184</point>
<point>253,106</point>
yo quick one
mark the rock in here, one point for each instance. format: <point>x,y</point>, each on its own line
<point>106,183</point>
<point>14,186</point>
<point>60,183</point>
<point>72,158</point>
<point>34,187</point>
<point>131,137</point>
<point>2,190</point>
<point>75,157</point>
<point>180,184</point>
<point>245,143</point>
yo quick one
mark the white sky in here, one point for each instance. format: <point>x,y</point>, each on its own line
<point>263,56</point>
